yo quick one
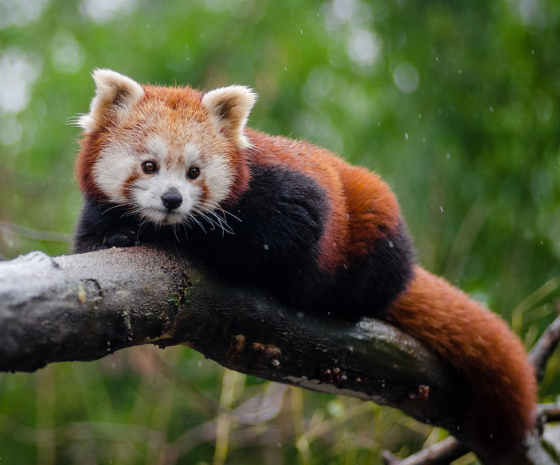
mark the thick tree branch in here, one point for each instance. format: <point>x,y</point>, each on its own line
<point>82,307</point>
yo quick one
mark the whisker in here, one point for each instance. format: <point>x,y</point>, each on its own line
<point>144,224</point>
<point>185,232</point>
<point>74,120</point>
<point>174,227</point>
<point>226,228</point>
<point>231,214</point>
<point>211,217</point>
<point>207,218</point>
<point>112,208</point>
<point>193,217</point>
<point>220,217</point>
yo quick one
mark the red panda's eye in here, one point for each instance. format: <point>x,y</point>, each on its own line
<point>193,173</point>
<point>149,167</point>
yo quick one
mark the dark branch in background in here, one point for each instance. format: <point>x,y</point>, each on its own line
<point>83,307</point>
<point>546,345</point>
<point>442,453</point>
<point>20,231</point>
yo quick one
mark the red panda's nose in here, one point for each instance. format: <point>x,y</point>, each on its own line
<point>172,199</point>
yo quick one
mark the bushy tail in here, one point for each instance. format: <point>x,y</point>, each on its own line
<point>480,346</point>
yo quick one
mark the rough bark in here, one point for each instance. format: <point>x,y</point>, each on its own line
<point>83,307</point>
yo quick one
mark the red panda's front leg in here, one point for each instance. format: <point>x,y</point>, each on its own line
<point>272,237</point>
<point>102,226</point>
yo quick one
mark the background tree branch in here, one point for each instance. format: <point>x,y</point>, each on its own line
<point>83,307</point>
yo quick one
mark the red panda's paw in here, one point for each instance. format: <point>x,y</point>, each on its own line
<point>125,237</point>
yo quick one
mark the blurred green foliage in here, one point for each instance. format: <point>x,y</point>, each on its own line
<point>456,104</point>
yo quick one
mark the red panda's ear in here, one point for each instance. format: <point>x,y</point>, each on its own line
<point>229,108</point>
<point>114,96</point>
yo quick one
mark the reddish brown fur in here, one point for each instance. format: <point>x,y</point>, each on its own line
<point>128,185</point>
<point>363,208</point>
<point>174,105</point>
<point>91,144</point>
<point>482,348</point>
<point>184,104</point>
<point>204,189</point>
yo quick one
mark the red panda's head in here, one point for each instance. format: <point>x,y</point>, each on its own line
<point>165,153</point>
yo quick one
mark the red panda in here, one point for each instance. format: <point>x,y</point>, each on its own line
<point>176,164</point>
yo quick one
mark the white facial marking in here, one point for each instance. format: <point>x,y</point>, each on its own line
<point>157,147</point>
<point>116,163</point>
<point>119,163</point>
<point>149,189</point>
